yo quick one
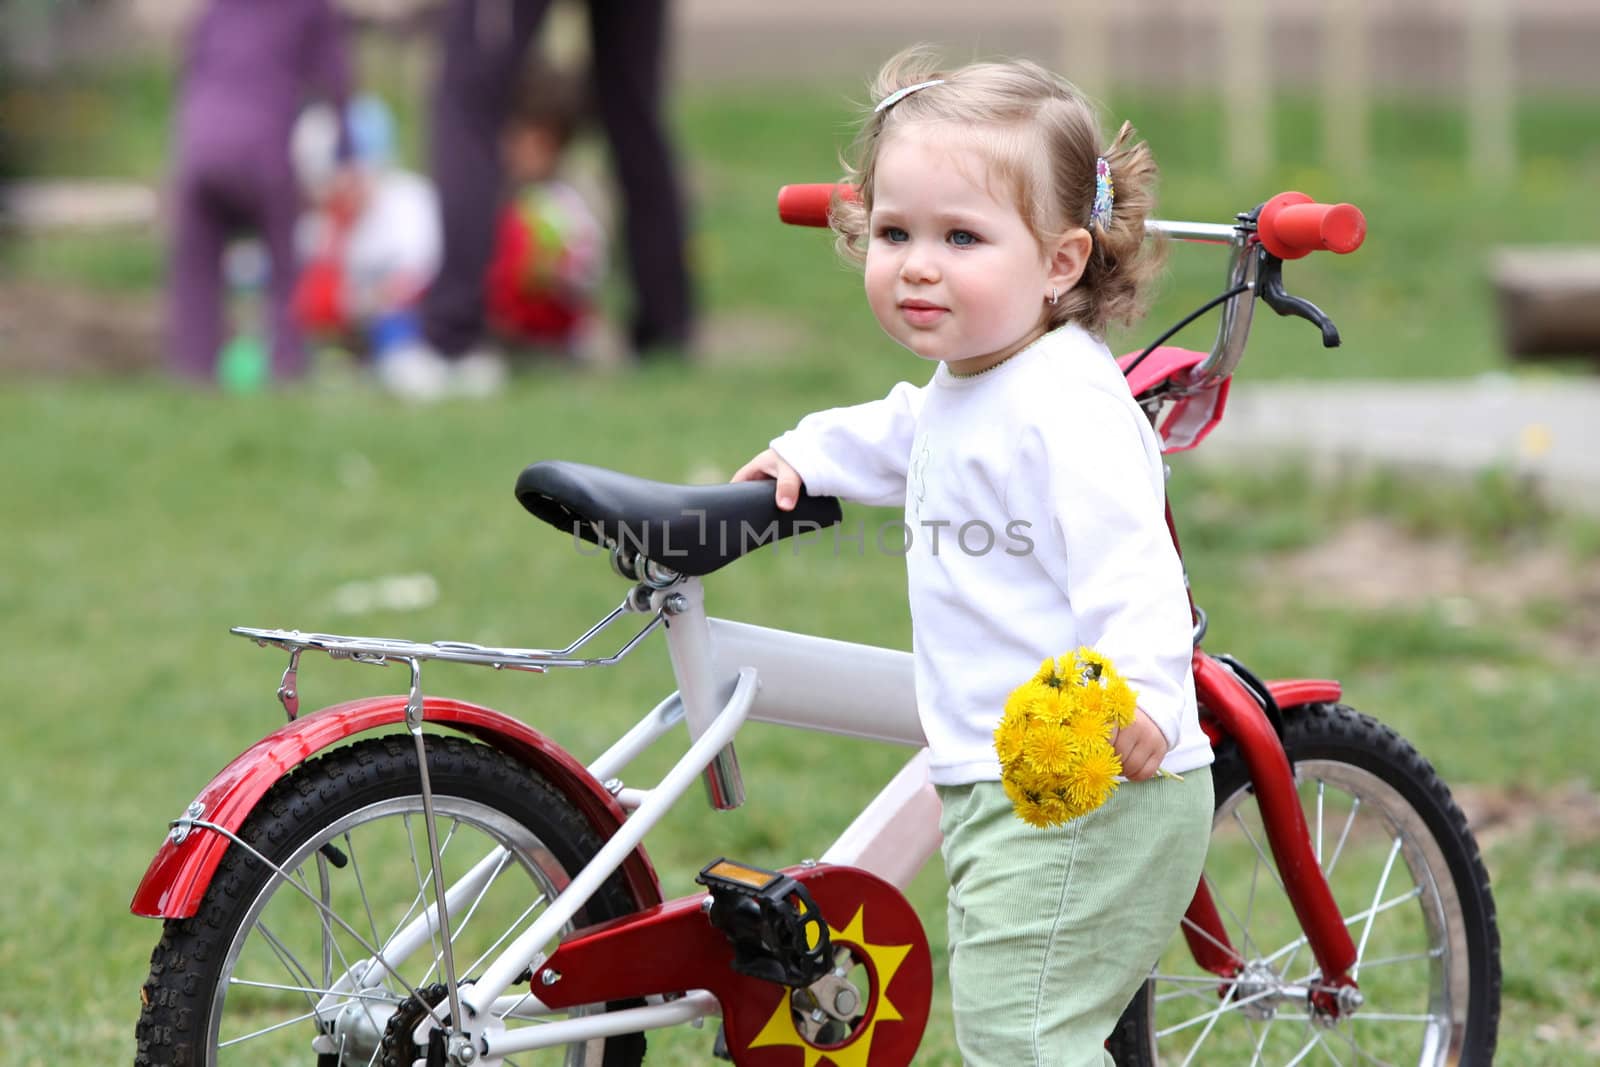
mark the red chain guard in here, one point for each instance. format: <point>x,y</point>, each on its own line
<point>673,948</point>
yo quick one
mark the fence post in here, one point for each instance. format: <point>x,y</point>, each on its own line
<point>1491,146</point>
<point>1245,87</point>
<point>1345,74</point>
<point>1086,46</point>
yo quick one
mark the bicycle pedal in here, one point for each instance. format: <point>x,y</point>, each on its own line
<point>777,931</point>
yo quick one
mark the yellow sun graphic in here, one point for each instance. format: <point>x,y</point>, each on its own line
<point>886,960</point>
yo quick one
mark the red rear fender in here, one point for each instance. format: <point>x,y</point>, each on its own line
<point>178,876</point>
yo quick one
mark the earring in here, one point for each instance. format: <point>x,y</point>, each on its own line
<point>1052,295</point>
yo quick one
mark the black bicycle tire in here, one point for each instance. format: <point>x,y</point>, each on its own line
<point>185,964</point>
<point>1337,732</point>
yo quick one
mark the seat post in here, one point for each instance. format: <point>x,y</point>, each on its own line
<point>689,646</point>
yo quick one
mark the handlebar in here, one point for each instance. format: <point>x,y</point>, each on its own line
<point>1288,226</point>
<point>809,204</point>
<point>1292,225</point>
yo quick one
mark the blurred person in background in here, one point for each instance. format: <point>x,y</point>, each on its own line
<point>248,68</point>
<point>485,42</point>
<point>550,250</point>
<point>369,242</point>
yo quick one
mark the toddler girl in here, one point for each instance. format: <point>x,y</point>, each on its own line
<point>999,238</point>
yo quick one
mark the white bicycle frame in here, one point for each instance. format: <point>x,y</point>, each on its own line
<point>727,673</point>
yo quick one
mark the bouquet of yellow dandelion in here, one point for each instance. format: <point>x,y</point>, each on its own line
<point>1054,740</point>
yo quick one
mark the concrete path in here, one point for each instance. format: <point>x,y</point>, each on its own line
<point>1548,428</point>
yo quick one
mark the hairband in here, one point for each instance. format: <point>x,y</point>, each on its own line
<point>1104,194</point>
<point>900,94</point>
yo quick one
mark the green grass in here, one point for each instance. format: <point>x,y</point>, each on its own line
<point>141,520</point>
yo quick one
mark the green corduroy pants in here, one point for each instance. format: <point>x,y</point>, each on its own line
<point>1051,931</point>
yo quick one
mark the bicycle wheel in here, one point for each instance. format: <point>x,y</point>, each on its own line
<point>1407,876</point>
<point>261,974</point>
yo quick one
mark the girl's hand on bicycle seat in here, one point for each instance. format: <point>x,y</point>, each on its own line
<point>1142,746</point>
<point>770,465</point>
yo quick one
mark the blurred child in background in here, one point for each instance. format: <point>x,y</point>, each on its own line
<point>248,68</point>
<point>548,253</point>
<point>549,248</point>
<point>371,242</point>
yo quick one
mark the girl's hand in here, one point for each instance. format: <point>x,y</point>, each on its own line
<point>1142,746</point>
<point>771,465</point>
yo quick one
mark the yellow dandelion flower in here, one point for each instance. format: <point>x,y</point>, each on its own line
<point>1085,730</point>
<point>1008,737</point>
<point>1048,710</point>
<point>1091,700</point>
<point>1048,674</point>
<point>1030,700</point>
<point>1096,776</point>
<point>1092,663</point>
<point>1013,789</point>
<point>1031,811</point>
<point>1071,807</point>
<point>1046,747</point>
<point>1029,779</point>
<point>1120,702</point>
<point>1054,809</point>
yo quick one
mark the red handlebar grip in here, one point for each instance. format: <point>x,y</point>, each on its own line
<point>1292,225</point>
<point>807,205</point>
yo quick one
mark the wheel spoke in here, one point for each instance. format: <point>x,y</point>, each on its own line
<point>1261,1041</point>
<point>1244,931</point>
<point>311,990</point>
<point>286,957</point>
<point>422,887</point>
<point>1344,835</point>
<point>1190,924</point>
<point>1322,789</point>
<point>295,1021</point>
<point>1361,1054</point>
<point>1328,1052</point>
<point>1409,957</point>
<point>1306,1049</point>
<point>1250,901</point>
<point>538,902</point>
<point>1210,1018</point>
<point>461,926</point>
<point>361,887</point>
<point>1372,912</point>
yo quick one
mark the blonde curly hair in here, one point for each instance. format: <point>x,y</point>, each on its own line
<point>1041,137</point>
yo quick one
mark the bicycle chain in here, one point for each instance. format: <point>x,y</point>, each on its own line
<point>398,1048</point>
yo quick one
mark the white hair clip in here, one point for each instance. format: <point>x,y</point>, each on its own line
<point>900,94</point>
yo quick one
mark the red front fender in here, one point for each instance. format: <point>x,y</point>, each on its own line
<point>178,876</point>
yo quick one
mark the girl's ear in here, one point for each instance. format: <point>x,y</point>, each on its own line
<point>1067,259</point>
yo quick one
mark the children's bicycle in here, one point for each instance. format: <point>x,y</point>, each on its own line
<point>412,879</point>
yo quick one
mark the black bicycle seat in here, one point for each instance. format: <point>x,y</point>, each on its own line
<point>691,529</point>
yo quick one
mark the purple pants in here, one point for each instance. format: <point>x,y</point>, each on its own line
<point>483,53</point>
<point>221,194</point>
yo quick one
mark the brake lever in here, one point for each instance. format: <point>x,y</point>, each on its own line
<point>1269,286</point>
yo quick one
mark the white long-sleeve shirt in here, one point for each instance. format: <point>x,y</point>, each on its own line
<point>1034,499</point>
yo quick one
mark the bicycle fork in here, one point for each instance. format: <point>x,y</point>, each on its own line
<point>1288,837</point>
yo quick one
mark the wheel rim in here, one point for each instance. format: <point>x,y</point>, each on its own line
<point>1404,913</point>
<point>280,979</point>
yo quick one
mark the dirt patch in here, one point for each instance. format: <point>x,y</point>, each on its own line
<point>1499,813</point>
<point>1375,565</point>
<point>63,331</point>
